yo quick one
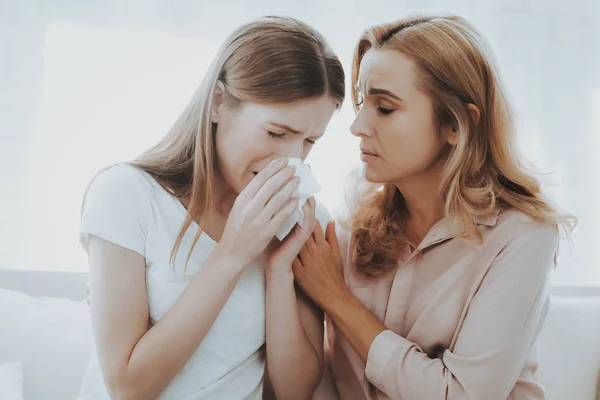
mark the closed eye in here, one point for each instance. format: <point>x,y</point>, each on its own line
<point>276,135</point>
<point>385,111</point>
<point>281,135</point>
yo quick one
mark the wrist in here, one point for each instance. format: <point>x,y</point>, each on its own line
<point>338,300</point>
<point>279,272</point>
<point>228,258</point>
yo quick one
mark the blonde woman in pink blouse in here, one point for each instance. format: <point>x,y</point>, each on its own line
<point>437,285</point>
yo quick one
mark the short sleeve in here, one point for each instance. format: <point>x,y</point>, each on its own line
<point>116,208</point>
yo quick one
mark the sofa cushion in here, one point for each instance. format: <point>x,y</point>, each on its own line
<point>569,349</point>
<point>51,337</point>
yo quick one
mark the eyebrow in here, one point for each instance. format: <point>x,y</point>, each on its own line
<point>375,91</point>
<point>286,128</point>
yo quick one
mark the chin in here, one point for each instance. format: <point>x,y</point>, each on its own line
<point>370,175</point>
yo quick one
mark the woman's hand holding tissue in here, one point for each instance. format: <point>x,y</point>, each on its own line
<point>259,212</point>
<point>283,254</point>
<point>318,268</point>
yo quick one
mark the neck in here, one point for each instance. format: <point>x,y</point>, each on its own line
<point>420,194</point>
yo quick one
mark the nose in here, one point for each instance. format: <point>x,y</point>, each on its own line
<point>361,126</point>
<point>295,149</point>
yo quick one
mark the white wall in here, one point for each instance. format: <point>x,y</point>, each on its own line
<point>83,84</point>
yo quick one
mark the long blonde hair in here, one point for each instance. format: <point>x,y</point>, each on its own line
<point>268,60</point>
<point>482,173</point>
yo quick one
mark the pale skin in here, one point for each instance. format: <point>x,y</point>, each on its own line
<point>401,145</point>
<point>252,199</point>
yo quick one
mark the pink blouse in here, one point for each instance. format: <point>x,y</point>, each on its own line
<point>462,317</point>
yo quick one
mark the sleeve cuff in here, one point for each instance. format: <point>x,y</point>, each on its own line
<point>117,238</point>
<point>387,345</point>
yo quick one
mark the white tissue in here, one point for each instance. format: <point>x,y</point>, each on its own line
<point>308,188</point>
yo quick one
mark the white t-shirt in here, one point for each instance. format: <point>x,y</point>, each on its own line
<point>126,206</point>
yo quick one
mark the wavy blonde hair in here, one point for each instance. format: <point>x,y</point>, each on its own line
<point>268,60</point>
<point>482,173</point>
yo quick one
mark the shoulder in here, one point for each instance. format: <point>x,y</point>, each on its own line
<point>116,208</point>
<point>518,227</point>
<point>524,243</point>
<point>121,178</point>
<point>119,188</point>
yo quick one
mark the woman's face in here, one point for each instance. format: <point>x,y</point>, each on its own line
<point>251,135</point>
<point>396,124</point>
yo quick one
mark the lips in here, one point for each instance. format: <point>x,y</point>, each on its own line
<point>368,152</point>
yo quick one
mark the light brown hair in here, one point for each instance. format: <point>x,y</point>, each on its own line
<point>268,60</point>
<point>482,173</point>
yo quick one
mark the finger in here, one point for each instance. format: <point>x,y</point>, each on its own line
<point>280,199</point>
<point>296,265</point>
<point>273,185</point>
<point>263,176</point>
<point>310,208</point>
<point>311,205</point>
<point>310,244</point>
<point>319,234</point>
<point>304,255</point>
<point>294,234</point>
<point>297,270</point>
<point>279,218</point>
<point>332,237</point>
<point>309,221</point>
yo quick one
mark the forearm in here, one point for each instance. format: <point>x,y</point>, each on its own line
<point>354,321</point>
<point>295,366</point>
<point>164,349</point>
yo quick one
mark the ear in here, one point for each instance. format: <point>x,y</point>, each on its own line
<point>451,131</point>
<point>217,101</point>
<point>450,134</point>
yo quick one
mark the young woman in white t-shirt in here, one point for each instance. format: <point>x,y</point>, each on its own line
<point>186,277</point>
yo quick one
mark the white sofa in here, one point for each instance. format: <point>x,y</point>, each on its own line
<point>44,324</point>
